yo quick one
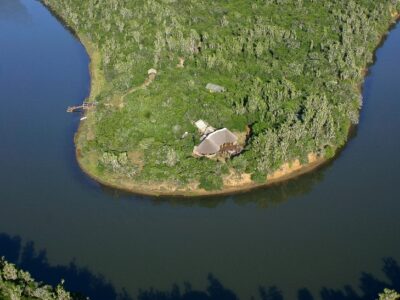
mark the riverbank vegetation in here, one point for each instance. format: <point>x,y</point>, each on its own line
<point>292,70</point>
<point>389,295</point>
<point>19,285</point>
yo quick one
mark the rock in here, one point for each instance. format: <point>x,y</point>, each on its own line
<point>152,72</point>
<point>214,88</point>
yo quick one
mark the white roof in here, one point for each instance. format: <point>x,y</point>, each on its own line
<point>201,125</point>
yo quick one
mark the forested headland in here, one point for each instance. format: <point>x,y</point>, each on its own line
<point>291,69</point>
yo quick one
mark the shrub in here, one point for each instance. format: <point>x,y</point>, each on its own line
<point>17,284</point>
<point>211,182</point>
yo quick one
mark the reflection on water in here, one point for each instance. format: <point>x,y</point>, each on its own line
<point>263,197</point>
<point>15,11</point>
<point>97,287</point>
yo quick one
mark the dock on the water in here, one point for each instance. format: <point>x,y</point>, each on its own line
<point>84,106</point>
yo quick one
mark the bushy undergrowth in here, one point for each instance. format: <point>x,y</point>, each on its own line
<point>291,68</point>
<point>19,285</point>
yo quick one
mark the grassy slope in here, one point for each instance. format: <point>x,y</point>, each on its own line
<point>292,70</point>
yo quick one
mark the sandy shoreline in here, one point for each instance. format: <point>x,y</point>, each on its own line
<point>231,185</point>
<point>164,189</point>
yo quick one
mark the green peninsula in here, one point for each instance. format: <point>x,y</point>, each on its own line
<point>288,76</point>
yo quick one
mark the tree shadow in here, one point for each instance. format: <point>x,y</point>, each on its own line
<point>214,291</point>
<point>78,280</point>
<point>304,294</point>
<point>83,282</point>
<point>369,285</point>
<point>271,293</point>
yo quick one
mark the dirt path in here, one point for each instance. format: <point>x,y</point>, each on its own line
<point>145,84</point>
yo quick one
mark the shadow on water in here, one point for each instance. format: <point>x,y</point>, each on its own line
<point>13,10</point>
<point>76,279</point>
<point>369,285</point>
<point>83,281</point>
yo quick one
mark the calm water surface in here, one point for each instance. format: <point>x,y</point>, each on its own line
<point>307,239</point>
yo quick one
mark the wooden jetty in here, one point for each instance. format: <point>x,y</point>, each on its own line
<point>84,106</point>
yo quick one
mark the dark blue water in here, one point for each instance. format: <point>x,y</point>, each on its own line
<point>305,239</point>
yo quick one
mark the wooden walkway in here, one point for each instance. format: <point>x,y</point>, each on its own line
<point>84,106</point>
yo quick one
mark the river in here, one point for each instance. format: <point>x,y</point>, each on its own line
<point>305,239</point>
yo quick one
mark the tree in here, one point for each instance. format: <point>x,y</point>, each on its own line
<point>389,295</point>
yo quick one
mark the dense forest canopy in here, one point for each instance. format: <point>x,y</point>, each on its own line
<point>292,70</point>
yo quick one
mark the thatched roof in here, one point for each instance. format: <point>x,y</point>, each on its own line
<point>213,142</point>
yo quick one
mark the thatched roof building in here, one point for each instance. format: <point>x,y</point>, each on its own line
<point>214,142</point>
